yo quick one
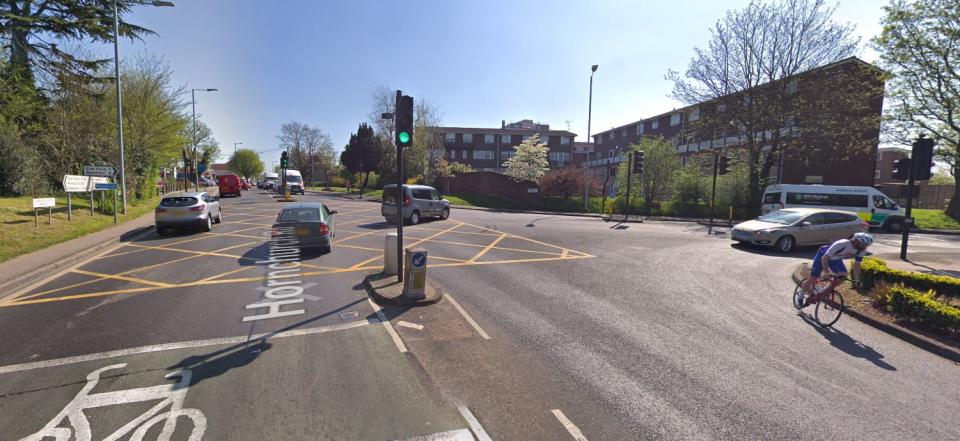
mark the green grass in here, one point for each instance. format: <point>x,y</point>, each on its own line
<point>19,236</point>
<point>934,219</point>
<point>474,200</point>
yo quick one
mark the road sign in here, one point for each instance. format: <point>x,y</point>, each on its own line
<point>105,186</point>
<point>44,202</point>
<point>99,170</point>
<point>77,183</point>
<point>202,167</point>
<point>419,260</point>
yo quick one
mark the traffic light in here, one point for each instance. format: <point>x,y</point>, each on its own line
<point>403,117</point>
<point>723,166</point>
<point>284,160</point>
<point>638,162</point>
<point>901,169</point>
<point>922,158</point>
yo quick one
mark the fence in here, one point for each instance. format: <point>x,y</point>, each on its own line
<point>924,196</point>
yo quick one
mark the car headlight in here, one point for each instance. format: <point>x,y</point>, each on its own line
<point>763,232</point>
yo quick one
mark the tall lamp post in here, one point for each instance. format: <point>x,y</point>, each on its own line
<point>193,103</point>
<point>235,147</point>
<point>586,154</point>
<point>116,72</point>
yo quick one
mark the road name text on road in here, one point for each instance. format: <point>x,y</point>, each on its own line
<point>284,286</point>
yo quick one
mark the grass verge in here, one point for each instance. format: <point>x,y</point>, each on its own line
<point>934,219</point>
<point>18,235</point>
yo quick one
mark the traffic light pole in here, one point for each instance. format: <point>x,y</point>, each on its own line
<point>629,178</point>
<point>908,222</point>
<point>713,192</point>
<point>399,192</point>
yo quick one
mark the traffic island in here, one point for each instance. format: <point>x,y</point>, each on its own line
<point>385,290</point>
<point>862,307</point>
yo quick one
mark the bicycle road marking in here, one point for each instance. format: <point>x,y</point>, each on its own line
<point>184,345</point>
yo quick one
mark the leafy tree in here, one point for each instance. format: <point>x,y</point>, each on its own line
<point>530,161</point>
<point>918,45</point>
<point>660,163</point>
<point>363,153</point>
<point>941,178</point>
<point>747,68</point>
<point>566,182</point>
<point>246,163</point>
<point>310,150</point>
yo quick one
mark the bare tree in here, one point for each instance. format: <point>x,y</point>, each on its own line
<point>745,74</point>
<point>427,147</point>
<point>310,150</point>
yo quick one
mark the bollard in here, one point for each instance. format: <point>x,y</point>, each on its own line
<point>415,274</point>
<point>390,254</point>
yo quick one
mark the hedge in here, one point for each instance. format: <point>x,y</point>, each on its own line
<point>875,270</point>
<point>919,307</point>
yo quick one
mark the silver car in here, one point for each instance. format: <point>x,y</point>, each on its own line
<point>188,209</point>
<point>419,201</point>
<point>787,228</point>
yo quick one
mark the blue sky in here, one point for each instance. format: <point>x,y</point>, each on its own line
<point>480,62</point>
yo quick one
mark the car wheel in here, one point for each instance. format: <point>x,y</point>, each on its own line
<point>208,226</point>
<point>785,244</point>
<point>161,231</point>
<point>415,218</point>
<point>893,226</point>
<point>239,195</point>
<point>219,216</point>
<point>445,214</point>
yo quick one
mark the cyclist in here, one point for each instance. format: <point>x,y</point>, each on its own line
<point>829,259</point>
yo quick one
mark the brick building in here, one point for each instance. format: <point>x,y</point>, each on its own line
<point>485,149</point>
<point>824,151</point>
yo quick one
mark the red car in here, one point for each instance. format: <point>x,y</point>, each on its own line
<point>230,185</point>
<point>244,184</point>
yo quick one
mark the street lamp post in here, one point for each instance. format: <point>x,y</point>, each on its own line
<point>193,104</point>
<point>235,147</point>
<point>586,154</point>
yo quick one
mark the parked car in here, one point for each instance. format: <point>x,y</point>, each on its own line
<point>294,182</point>
<point>791,227</point>
<point>188,209</point>
<point>867,202</point>
<point>312,224</point>
<point>230,185</point>
<point>419,201</point>
<point>269,178</point>
<point>244,184</point>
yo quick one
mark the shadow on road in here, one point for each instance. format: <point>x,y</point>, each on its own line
<point>850,345</point>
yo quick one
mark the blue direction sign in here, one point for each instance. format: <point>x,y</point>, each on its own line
<point>105,186</point>
<point>202,167</point>
<point>419,260</point>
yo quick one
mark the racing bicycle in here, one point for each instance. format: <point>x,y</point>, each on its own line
<point>828,303</point>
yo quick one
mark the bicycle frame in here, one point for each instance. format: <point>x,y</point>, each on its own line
<point>172,395</point>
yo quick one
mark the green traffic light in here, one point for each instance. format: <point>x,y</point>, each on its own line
<point>404,137</point>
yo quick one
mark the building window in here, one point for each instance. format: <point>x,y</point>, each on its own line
<point>694,114</point>
<point>623,133</point>
<point>505,139</point>
<point>655,124</point>
<point>450,137</point>
<point>453,154</point>
<point>675,119</point>
<point>791,87</point>
<point>468,138</point>
<point>560,157</point>
<point>545,139</point>
<point>876,175</point>
<point>564,140</point>
<point>640,129</point>
<point>464,154</point>
<point>507,155</point>
<point>610,136</point>
<point>598,139</point>
<point>483,154</point>
<point>488,139</point>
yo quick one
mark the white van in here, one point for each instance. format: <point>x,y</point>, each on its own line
<point>868,202</point>
<point>294,182</point>
<point>268,181</point>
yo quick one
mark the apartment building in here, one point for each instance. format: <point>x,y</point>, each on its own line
<point>485,149</point>
<point>823,149</point>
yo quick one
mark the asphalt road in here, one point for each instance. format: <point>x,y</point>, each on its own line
<point>552,327</point>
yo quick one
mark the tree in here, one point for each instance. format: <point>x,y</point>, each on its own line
<point>659,164</point>
<point>747,68</point>
<point>246,163</point>
<point>566,182</point>
<point>310,150</point>
<point>426,149</point>
<point>363,153</point>
<point>530,160</point>
<point>941,178</point>
<point>918,45</point>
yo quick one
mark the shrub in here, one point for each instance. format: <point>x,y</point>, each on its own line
<point>337,181</point>
<point>920,307</point>
<point>876,270</point>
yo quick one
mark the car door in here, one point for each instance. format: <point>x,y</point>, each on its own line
<point>815,233</point>
<point>839,226</point>
<point>437,201</point>
<point>421,198</point>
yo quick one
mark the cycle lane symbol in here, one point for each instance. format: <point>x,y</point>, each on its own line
<point>170,395</point>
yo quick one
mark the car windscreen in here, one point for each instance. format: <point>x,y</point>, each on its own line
<point>781,217</point>
<point>269,178</point>
<point>300,215</point>
<point>178,202</point>
<point>296,179</point>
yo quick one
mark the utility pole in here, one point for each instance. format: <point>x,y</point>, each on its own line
<point>116,71</point>
<point>713,191</point>
<point>629,178</point>
<point>586,155</point>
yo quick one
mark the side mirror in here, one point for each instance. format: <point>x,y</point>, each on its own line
<point>806,224</point>
<point>334,211</point>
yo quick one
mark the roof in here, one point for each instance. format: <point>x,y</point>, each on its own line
<point>181,194</point>
<point>499,131</point>
<point>302,205</point>
<point>409,186</point>
<point>685,108</point>
<point>815,210</point>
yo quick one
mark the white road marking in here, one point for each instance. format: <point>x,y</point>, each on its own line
<point>474,424</point>
<point>386,324</point>
<point>410,325</point>
<point>467,317</point>
<point>182,345</point>
<point>453,435</point>
<point>567,424</point>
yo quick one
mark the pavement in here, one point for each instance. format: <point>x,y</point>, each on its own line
<point>550,327</point>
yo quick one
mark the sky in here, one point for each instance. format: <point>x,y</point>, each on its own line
<point>318,62</point>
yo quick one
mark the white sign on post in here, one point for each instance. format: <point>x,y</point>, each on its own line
<point>77,183</point>
<point>44,202</point>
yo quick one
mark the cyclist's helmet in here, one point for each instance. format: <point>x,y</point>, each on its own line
<point>864,238</point>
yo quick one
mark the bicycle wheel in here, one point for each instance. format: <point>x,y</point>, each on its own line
<point>798,295</point>
<point>829,309</point>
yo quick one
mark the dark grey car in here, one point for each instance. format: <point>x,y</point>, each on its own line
<point>419,201</point>
<point>310,222</point>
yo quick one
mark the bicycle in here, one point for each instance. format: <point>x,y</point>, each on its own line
<point>828,302</point>
<point>171,395</point>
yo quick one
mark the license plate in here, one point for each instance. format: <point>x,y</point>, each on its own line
<point>302,231</point>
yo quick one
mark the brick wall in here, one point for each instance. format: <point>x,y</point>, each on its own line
<point>494,184</point>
